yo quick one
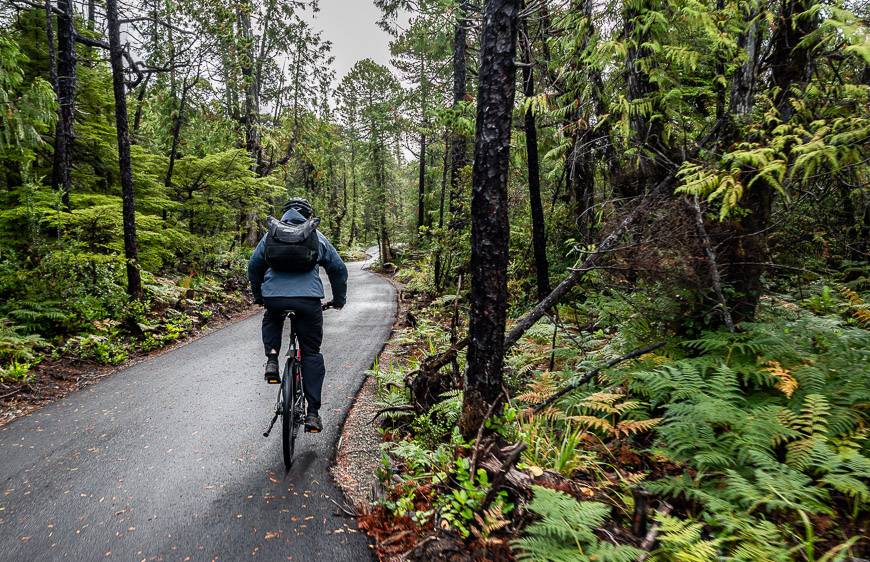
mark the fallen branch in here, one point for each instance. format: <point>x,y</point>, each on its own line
<point>591,374</point>
<point>436,362</point>
<point>10,394</point>
<point>714,266</point>
<point>512,455</point>
<point>650,539</point>
<point>348,512</point>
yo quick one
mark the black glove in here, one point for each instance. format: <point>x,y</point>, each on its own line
<point>258,300</point>
<point>333,304</point>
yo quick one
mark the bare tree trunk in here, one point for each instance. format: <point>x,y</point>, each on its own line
<point>457,142</point>
<point>353,223</point>
<point>140,102</point>
<point>438,265</point>
<point>131,249</point>
<point>490,231</point>
<point>52,49</point>
<point>539,236</point>
<point>66,93</point>
<point>176,130</point>
<point>421,185</point>
<point>249,83</point>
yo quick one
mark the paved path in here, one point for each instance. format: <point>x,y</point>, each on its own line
<point>165,460</point>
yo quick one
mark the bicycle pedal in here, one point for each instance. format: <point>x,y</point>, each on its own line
<point>311,430</point>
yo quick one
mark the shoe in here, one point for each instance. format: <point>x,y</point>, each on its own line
<point>313,424</point>
<point>272,369</point>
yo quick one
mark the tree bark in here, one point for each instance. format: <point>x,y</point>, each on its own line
<point>790,63</point>
<point>438,262</point>
<point>421,185</point>
<point>249,83</point>
<point>353,223</point>
<point>457,141</point>
<point>140,102</point>
<point>66,93</point>
<point>647,131</point>
<point>176,131</point>
<point>131,248</point>
<point>490,231</point>
<point>539,236</point>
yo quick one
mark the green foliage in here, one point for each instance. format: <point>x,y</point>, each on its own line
<point>566,531</point>
<point>458,507</point>
<point>27,111</point>
<point>769,419</point>
<point>107,349</point>
<point>16,346</point>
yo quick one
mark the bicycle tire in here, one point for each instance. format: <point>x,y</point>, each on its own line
<point>288,413</point>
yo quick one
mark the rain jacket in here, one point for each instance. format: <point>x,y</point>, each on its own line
<point>268,283</point>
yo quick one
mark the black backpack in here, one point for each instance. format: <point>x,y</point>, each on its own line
<point>292,248</point>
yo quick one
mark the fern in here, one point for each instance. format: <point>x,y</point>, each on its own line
<point>566,531</point>
<point>681,541</point>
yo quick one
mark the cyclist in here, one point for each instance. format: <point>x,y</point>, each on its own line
<point>300,291</point>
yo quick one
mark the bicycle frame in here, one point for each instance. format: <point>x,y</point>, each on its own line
<point>291,400</point>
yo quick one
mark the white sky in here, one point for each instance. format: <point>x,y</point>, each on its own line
<point>352,28</point>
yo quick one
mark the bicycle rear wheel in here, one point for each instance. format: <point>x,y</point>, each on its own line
<point>288,412</point>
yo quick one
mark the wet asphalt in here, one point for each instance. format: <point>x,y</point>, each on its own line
<point>165,460</point>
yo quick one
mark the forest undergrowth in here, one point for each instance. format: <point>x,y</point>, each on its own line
<point>716,445</point>
<point>51,346</point>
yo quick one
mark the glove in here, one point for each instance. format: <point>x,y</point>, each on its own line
<point>333,304</point>
<point>258,301</point>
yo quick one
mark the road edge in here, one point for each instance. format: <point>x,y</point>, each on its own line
<point>345,468</point>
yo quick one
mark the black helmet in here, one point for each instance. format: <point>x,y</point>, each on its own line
<point>301,205</point>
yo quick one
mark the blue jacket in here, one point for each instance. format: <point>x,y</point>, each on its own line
<point>268,283</point>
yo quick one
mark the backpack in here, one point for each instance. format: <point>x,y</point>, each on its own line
<point>292,248</point>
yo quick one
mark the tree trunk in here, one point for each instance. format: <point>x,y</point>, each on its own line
<point>353,223</point>
<point>421,185</point>
<point>790,63</point>
<point>647,131</point>
<point>52,49</point>
<point>249,83</point>
<point>176,131</point>
<point>539,236</point>
<point>490,231</point>
<point>131,249</point>
<point>438,265</point>
<point>140,101</point>
<point>457,142</point>
<point>66,93</point>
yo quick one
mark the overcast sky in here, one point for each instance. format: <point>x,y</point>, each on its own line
<point>352,28</point>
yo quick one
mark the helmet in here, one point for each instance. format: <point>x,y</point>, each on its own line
<point>301,205</point>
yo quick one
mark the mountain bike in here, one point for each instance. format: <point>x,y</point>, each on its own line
<point>290,406</point>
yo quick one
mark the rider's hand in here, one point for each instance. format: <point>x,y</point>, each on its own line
<point>332,304</point>
<point>258,301</point>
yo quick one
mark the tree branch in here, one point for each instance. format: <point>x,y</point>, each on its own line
<point>591,374</point>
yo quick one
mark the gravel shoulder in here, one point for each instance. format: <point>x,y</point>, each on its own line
<point>358,454</point>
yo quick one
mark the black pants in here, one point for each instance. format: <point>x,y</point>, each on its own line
<point>309,331</point>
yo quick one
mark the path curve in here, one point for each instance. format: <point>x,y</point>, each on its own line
<point>165,460</point>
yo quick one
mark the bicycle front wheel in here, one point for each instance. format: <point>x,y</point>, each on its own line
<point>288,413</point>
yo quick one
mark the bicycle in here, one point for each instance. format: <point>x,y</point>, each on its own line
<point>290,405</point>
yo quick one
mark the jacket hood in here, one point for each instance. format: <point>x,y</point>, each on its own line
<point>293,216</point>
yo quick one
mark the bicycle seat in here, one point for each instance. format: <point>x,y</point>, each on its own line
<point>289,313</point>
